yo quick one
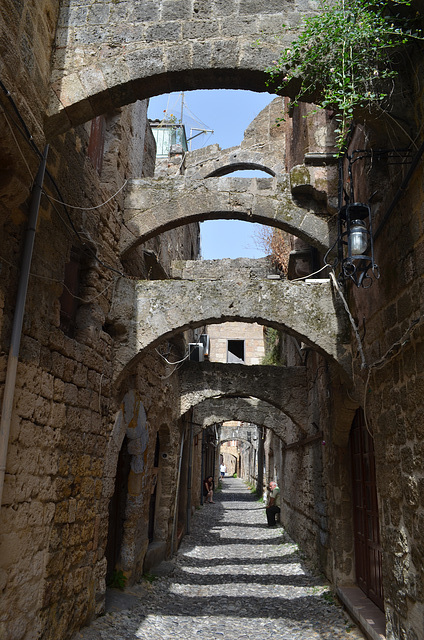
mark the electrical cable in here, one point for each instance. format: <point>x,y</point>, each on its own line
<point>170,374</point>
<point>352,321</point>
<point>21,120</point>
<point>50,279</point>
<point>77,233</point>
<point>71,206</point>
<point>311,274</point>
<point>84,245</point>
<point>19,148</point>
<point>172,363</point>
<point>33,145</point>
<point>381,362</point>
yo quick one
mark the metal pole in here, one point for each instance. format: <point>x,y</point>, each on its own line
<point>12,363</point>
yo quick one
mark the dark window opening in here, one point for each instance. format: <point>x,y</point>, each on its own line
<point>68,299</point>
<point>235,351</point>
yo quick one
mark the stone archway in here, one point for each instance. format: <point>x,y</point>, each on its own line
<point>130,424</point>
<point>247,409</point>
<point>146,313</point>
<point>241,165</point>
<point>132,427</point>
<point>109,54</point>
<point>153,206</point>
<point>284,388</point>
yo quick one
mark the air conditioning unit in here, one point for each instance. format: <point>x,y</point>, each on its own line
<point>195,351</point>
<point>204,339</point>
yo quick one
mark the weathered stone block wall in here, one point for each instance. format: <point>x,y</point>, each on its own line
<point>59,428</point>
<point>157,393</point>
<point>299,464</point>
<point>28,31</point>
<point>55,502</point>
<point>164,46</point>
<point>389,388</point>
<point>392,387</point>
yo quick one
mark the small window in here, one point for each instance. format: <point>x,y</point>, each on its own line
<point>235,351</point>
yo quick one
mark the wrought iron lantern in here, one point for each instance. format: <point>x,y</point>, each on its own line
<point>355,244</point>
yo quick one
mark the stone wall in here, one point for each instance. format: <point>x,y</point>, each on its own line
<point>165,46</point>
<point>66,421</point>
<point>294,203</point>
<point>393,386</point>
<point>388,388</point>
<point>61,464</point>
<point>300,464</point>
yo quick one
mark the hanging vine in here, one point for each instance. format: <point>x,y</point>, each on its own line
<point>346,56</point>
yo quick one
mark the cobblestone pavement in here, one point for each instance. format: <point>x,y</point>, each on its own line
<point>233,578</point>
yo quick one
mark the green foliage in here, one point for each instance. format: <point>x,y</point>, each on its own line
<point>171,119</point>
<point>254,492</point>
<point>149,577</point>
<point>328,596</point>
<point>234,475</point>
<point>346,57</point>
<point>117,580</point>
<point>272,347</point>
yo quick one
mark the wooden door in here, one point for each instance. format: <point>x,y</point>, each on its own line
<point>368,555</point>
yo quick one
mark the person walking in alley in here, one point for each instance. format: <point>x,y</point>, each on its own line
<point>208,489</point>
<point>223,470</point>
<point>273,503</point>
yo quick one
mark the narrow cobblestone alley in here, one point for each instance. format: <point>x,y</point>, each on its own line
<point>233,578</point>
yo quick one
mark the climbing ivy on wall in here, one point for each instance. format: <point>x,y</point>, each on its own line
<point>347,56</point>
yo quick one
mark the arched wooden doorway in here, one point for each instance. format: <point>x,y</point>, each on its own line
<point>368,554</point>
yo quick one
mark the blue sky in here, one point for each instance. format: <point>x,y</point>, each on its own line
<point>228,113</point>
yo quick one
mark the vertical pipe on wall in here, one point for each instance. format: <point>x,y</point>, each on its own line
<point>12,362</point>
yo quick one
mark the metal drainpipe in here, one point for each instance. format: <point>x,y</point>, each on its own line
<point>174,524</point>
<point>12,363</point>
<point>189,477</point>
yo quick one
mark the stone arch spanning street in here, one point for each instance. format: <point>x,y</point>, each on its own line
<point>146,313</point>
<point>241,165</point>
<point>251,409</point>
<point>263,147</point>
<point>156,205</point>
<point>109,54</point>
<point>285,388</point>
